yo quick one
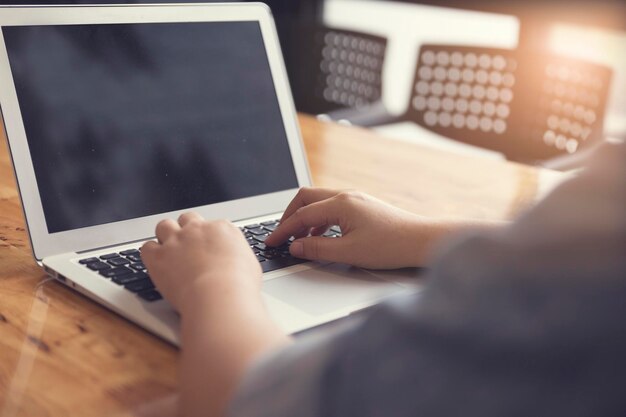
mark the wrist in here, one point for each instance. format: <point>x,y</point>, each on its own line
<point>418,234</point>
<point>426,235</point>
<point>221,336</point>
<point>221,292</point>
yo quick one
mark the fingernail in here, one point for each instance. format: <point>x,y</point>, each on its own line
<point>296,249</point>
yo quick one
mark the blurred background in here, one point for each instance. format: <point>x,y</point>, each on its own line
<point>540,82</point>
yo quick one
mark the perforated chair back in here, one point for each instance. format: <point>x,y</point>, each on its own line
<point>337,69</point>
<point>529,106</point>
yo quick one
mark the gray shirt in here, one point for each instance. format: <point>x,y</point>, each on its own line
<point>528,321</point>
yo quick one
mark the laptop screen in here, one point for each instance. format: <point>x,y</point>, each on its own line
<point>131,120</point>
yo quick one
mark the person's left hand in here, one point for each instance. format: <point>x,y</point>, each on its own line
<point>197,255</point>
<point>207,271</point>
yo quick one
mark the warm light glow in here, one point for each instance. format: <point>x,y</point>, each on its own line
<point>598,45</point>
<point>603,47</point>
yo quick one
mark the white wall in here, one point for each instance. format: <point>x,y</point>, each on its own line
<point>407,26</point>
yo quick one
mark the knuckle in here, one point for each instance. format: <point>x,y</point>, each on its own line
<point>224,224</point>
<point>161,227</point>
<point>351,195</point>
<point>193,224</point>
<point>304,190</point>
<point>187,232</point>
<point>185,216</point>
<point>209,226</point>
<point>299,215</point>
<point>344,196</point>
<point>360,195</point>
<point>220,225</point>
<point>162,224</point>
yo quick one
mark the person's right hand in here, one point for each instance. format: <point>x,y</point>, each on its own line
<point>375,235</point>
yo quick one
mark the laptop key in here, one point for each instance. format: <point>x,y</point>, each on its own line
<point>134,258</point>
<point>88,261</point>
<point>258,232</point>
<point>141,285</point>
<point>150,295</point>
<point>109,256</point>
<point>98,266</point>
<point>139,266</point>
<point>116,272</point>
<point>129,252</point>
<point>260,238</point>
<point>270,254</point>
<point>129,278</point>
<point>118,261</point>
<point>270,228</point>
<point>269,223</point>
<point>252,226</point>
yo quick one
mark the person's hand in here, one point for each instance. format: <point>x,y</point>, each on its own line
<point>374,234</point>
<point>207,271</point>
<point>197,255</point>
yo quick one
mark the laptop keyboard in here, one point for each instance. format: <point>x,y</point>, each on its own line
<point>126,268</point>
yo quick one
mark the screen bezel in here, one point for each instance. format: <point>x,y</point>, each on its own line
<point>46,244</point>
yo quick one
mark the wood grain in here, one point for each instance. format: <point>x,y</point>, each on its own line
<point>64,355</point>
<point>423,180</point>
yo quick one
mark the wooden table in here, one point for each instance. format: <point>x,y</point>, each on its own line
<point>64,355</point>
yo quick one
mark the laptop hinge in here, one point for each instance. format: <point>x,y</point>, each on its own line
<point>115,245</point>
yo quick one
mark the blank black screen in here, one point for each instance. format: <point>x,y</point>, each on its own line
<point>131,120</point>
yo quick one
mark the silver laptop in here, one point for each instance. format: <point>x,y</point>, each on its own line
<point>120,116</point>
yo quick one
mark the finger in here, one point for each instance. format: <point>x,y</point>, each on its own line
<point>188,217</point>
<point>317,248</point>
<point>308,196</point>
<point>148,251</point>
<point>275,239</point>
<point>165,229</point>
<point>314,215</point>
<point>318,231</point>
<point>301,233</point>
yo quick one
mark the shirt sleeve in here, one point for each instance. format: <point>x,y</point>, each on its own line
<point>518,322</point>
<point>287,382</point>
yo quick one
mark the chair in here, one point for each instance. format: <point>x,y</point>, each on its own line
<point>331,69</point>
<point>531,107</point>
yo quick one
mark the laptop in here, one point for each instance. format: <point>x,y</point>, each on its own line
<point>120,116</point>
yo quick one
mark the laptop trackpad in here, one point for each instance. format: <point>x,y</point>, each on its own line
<point>330,288</point>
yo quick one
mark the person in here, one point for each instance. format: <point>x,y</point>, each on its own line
<point>516,319</point>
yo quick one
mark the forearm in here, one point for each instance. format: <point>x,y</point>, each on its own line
<point>222,334</point>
